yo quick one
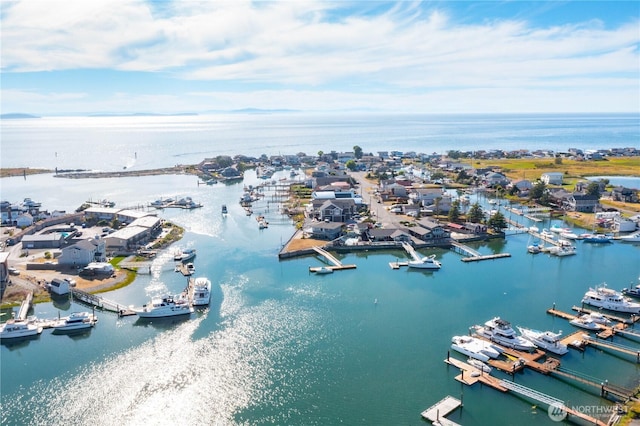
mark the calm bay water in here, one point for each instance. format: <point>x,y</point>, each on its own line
<point>280,346</point>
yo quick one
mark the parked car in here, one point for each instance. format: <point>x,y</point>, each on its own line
<point>13,271</point>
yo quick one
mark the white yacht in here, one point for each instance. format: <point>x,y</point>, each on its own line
<point>191,269</point>
<point>631,238</point>
<point>184,255</point>
<point>201,291</point>
<point>474,347</point>
<point>166,306</point>
<point>546,340</point>
<point>427,262</point>
<point>586,322</point>
<point>606,298</point>
<point>500,331</point>
<point>75,321</point>
<point>562,250</point>
<point>16,329</point>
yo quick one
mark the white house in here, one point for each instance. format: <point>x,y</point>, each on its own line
<point>24,220</point>
<point>552,178</point>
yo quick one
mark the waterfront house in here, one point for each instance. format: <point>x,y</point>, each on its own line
<point>494,179</point>
<point>435,231</point>
<point>336,210</point>
<point>582,203</point>
<point>552,178</point>
<point>387,234</point>
<point>627,195</point>
<point>325,230</point>
<point>4,266</point>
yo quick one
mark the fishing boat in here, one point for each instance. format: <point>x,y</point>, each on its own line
<point>75,321</point>
<point>632,291</point>
<point>17,329</point>
<point>201,291</point>
<point>184,255</point>
<point>606,298</point>
<point>500,331</point>
<point>562,251</point>
<point>546,340</point>
<point>323,270</point>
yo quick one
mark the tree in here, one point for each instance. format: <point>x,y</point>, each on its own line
<point>593,189</point>
<point>357,152</point>
<point>538,190</point>
<point>497,222</point>
<point>475,213</point>
<point>436,202</point>
<point>454,155</point>
<point>351,165</point>
<point>320,153</point>
<point>454,212</point>
<point>224,161</point>
<point>462,176</point>
<point>437,175</point>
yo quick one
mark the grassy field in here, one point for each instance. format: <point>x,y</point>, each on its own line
<point>532,169</point>
<point>22,171</point>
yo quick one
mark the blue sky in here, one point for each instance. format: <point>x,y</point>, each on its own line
<point>81,57</point>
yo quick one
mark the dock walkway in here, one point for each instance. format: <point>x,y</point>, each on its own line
<point>337,265</point>
<point>440,409</point>
<point>101,302</point>
<point>23,312</point>
<point>472,255</point>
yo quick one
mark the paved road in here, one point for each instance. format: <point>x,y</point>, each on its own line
<point>378,210</point>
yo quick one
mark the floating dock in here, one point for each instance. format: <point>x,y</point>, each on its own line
<point>337,265</point>
<point>437,412</point>
<point>472,255</point>
<point>470,374</point>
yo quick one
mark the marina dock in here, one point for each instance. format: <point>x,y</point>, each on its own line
<point>474,375</point>
<point>101,303</point>
<point>437,412</point>
<point>474,255</point>
<point>337,265</point>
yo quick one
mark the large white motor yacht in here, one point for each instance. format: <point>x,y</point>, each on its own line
<point>474,347</point>
<point>546,340</point>
<point>500,331</point>
<point>606,298</point>
<point>75,321</point>
<point>166,306</point>
<point>201,291</point>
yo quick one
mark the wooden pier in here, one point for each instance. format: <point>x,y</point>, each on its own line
<point>182,268</point>
<point>23,312</point>
<point>472,255</point>
<point>437,412</point>
<point>470,375</point>
<point>101,303</point>
<point>337,265</point>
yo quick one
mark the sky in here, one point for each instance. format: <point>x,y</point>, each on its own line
<point>120,56</point>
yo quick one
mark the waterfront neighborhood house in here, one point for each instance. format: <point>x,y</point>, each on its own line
<point>325,230</point>
<point>552,178</point>
<point>493,179</point>
<point>582,203</point>
<point>337,210</point>
<point>83,252</point>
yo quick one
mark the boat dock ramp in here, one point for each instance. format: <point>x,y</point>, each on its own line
<point>470,375</point>
<point>437,412</point>
<point>337,265</point>
<point>101,303</point>
<point>474,255</point>
<point>23,312</point>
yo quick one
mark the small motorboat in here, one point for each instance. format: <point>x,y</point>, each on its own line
<point>324,270</point>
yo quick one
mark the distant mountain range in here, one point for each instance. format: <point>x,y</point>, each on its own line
<point>16,115</point>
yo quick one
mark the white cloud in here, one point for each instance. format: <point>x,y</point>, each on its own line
<point>310,48</point>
